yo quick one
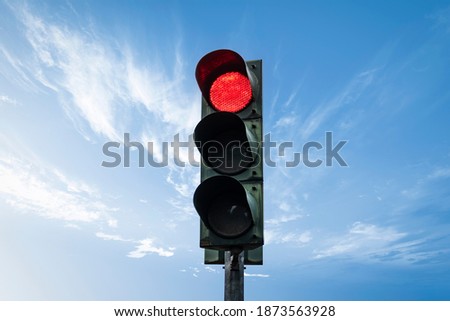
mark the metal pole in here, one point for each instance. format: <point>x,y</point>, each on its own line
<point>234,276</point>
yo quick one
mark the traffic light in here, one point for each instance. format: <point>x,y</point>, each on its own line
<point>229,198</point>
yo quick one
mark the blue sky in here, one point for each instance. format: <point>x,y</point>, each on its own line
<point>77,74</point>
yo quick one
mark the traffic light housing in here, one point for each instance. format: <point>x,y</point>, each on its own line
<point>229,198</point>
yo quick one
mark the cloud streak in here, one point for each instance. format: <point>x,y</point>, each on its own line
<point>355,88</point>
<point>369,242</point>
<point>145,247</point>
<point>142,248</point>
<point>256,275</point>
<point>104,89</point>
<point>101,82</point>
<point>8,100</point>
<point>49,193</point>
<point>279,236</point>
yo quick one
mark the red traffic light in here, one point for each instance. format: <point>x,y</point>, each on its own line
<point>223,80</point>
<point>231,92</point>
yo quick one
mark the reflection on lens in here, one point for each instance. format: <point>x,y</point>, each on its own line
<point>229,216</point>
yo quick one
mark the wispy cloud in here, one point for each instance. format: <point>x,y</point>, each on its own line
<point>7,100</point>
<point>210,269</point>
<point>110,237</point>
<point>427,188</point>
<point>283,218</point>
<point>146,247</point>
<point>439,173</point>
<point>442,19</point>
<point>16,71</point>
<point>104,89</point>
<point>49,193</point>
<point>256,275</point>
<point>143,247</point>
<point>354,89</point>
<point>279,236</point>
<point>285,121</point>
<point>366,241</point>
<point>195,271</point>
<point>293,96</point>
<point>101,82</point>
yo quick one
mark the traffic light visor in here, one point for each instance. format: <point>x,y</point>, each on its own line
<point>223,80</point>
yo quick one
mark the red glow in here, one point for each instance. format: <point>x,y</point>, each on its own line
<point>231,92</point>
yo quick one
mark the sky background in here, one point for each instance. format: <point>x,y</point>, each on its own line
<point>77,74</point>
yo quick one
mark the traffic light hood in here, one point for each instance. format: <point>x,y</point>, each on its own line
<point>224,81</point>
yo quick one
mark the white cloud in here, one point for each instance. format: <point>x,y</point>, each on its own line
<point>102,86</point>
<point>18,72</point>
<point>76,186</point>
<point>373,232</point>
<point>183,205</point>
<point>275,100</point>
<point>363,241</point>
<point>79,66</point>
<point>183,179</point>
<point>283,219</point>
<point>439,173</point>
<point>425,188</point>
<point>256,275</point>
<point>349,94</point>
<point>33,188</point>
<point>145,247</point>
<point>182,188</point>
<point>101,82</point>
<point>284,206</point>
<point>294,93</point>
<point>442,19</point>
<point>278,236</point>
<point>113,223</point>
<point>109,237</point>
<point>142,248</point>
<point>285,121</point>
<point>210,269</point>
<point>8,100</point>
<point>302,238</point>
<point>194,270</point>
<point>71,225</point>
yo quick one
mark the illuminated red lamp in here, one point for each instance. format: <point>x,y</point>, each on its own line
<point>223,80</point>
